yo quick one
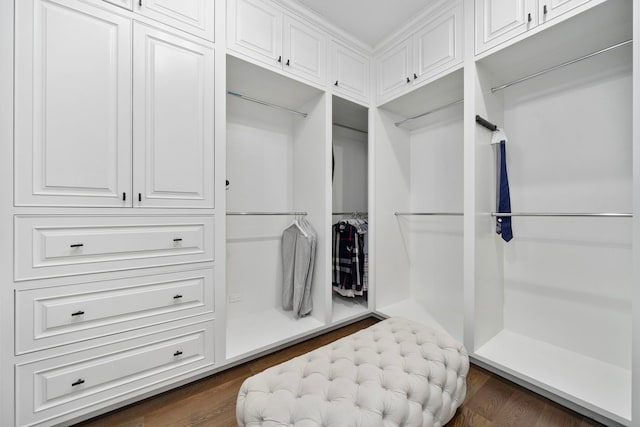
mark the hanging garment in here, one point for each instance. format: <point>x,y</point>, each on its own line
<point>298,257</point>
<point>503,224</point>
<point>348,260</point>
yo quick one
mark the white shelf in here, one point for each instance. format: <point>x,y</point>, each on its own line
<point>347,308</point>
<point>255,332</point>
<point>598,386</point>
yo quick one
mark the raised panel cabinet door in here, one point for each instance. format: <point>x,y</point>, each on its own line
<point>549,9</point>
<point>438,45</point>
<point>394,70</point>
<point>254,28</point>
<point>304,50</point>
<point>173,129</point>
<point>72,105</point>
<point>127,4</point>
<point>193,16</point>
<point>500,20</point>
<point>350,72</point>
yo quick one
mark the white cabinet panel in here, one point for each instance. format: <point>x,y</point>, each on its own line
<point>193,16</point>
<point>304,50</point>
<point>173,120</point>
<point>394,70</point>
<point>254,28</point>
<point>62,315</point>
<point>70,245</point>
<point>51,387</point>
<point>73,105</point>
<point>438,45</point>
<point>127,4</point>
<point>501,20</point>
<point>349,72</point>
<point>550,9</point>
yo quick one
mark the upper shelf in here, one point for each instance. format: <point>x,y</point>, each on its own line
<point>600,27</point>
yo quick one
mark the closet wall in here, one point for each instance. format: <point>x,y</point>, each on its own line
<point>561,289</point>
<point>276,164</point>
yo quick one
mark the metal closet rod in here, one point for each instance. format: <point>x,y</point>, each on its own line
<point>350,128</point>
<point>350,213</point>
<point>268,213</point>
<point>562,214</point>
<point>429,214</point>
<point>268,104</point>
<point>459,101</point>
<point>564,64</point>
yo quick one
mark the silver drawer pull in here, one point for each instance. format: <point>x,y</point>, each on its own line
<point>177,296</point>
<point>78,313</point>
<point>77,382</point>
<point>77,245</point>
<point>177,353</point>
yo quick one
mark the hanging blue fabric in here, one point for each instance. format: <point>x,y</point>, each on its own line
<point>503,224</point>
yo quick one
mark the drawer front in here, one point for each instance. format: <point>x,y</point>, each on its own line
<point>61,315</point>
<point>75,382</point>
<point>69,245</point>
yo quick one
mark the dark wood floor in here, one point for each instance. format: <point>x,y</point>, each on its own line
<point>490,401</point>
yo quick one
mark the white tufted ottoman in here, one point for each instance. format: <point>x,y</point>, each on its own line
<point>394,373</point>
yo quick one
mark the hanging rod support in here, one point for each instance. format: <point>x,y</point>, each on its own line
<point>267,213</point>
<point>547,214</point>
<point>268,104</point>
<point>564,64</point>
<point>486,123</point>
<point>428,214</point>
<point>459,101</point>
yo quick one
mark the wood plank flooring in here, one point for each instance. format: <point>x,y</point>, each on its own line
<point>490,401</point>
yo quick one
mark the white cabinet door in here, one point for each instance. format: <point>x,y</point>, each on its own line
<point>254,28</point>
<point>394,70</point>
<point>127,4</point>
<point>500,20</point>
<point>549,9</point>
<point>73,105</point>
<point>304,50</point>
<point>173,120</point>
<point>193,16</point>
<point>438,45</point>
<point>349,72</point>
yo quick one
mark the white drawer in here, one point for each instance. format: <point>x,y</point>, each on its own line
<point>61,315</point>
<point>50,388</point>
<point>50,246</point>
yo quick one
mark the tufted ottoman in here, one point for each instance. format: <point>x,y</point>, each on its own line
<point>394,373</point>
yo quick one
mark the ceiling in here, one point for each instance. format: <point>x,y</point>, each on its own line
<point>368,20</point>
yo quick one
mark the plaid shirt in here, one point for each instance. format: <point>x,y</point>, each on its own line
<point>348,260</point>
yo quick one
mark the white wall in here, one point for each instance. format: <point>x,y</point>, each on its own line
<point>350,176</point>
<point>568,281</point>
<point>436,246</point>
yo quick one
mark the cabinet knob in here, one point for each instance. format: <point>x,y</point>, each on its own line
<point>544,9</point>
<point>77,382</point>
<point>78,313</point>
<point>280,58</point>
<point>124,196</point>
<point>528,17</point>
<point>288,64</point>
<point>415,76</point>
<point>76,245</point>
<point>408,80</point>
<point>140,3</point>
<point>177,353</point>
<point>179,239</point>
<point>139,197</point>
<point>336,83</point>
<point>177,296</point>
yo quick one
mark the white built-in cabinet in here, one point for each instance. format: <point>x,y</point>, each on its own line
<point>196,17</point>
<point>500,20</point>
<point>426,52</point>
<point>263,32</point>
<point>74,109</point>
<point>349,72</point>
